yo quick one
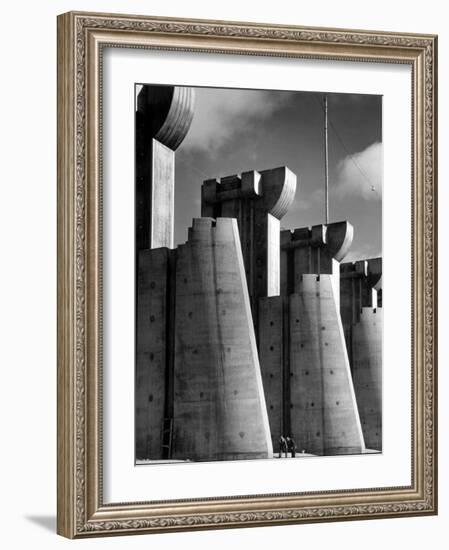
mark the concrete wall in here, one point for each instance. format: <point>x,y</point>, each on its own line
<point>219,404</point>
<point>151,356</point>
<point>367,374</point>
<point>362,316</point>
<point>163,117</point>
<point>273,365</point>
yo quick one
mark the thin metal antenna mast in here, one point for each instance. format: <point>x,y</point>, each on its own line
<point>326,165</point>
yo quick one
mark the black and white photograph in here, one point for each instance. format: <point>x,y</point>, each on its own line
<point>258,274</point>
<point>236,203</point>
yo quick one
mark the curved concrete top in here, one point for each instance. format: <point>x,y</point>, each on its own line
<point>278,189</point>
<point>335,237</point>
<point>274,189</point>
<point>339,237</point>
<point>369,269</point>
<point>375,273</point>
<point>169,112</point>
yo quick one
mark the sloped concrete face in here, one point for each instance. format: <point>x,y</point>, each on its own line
<point>362,317</point>
<point>219,405</point>
<point>324,416</point>
<point>315,403</point>
<point>367,374</point>
<point>305,370</point>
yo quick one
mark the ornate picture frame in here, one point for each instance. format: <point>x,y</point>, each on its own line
<point>82,39</point>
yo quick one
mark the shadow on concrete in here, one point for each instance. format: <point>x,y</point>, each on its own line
<point>46,522</point>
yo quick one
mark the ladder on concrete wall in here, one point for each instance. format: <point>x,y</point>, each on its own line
<point>167,437</point>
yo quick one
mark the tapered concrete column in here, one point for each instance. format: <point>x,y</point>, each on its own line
<point>324,418</point>
<point>219,404</point>
<point>360,285</point>
<point>258,200</point>
<point>363,323</point>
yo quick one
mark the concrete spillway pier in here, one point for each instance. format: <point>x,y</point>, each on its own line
<point>303,346</point>
<point>163,118</point>
<point>362,319</point>
<point>199,388</point>
<point>219,404</point>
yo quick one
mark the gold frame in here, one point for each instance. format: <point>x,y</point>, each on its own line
<point>81,37</point>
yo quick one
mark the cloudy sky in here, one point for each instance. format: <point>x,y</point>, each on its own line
<point>238,130</point>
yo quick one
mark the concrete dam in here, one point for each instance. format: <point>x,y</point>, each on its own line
<point>252,342</point>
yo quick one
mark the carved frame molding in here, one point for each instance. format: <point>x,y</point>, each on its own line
<point>81,37</point>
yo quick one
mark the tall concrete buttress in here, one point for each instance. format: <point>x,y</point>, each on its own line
<point>219,404</point>
<point>302,342</point>
<point>362,319</point>
<point>258,201</point>
<point>163,118</point>
<point>199,393</point>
